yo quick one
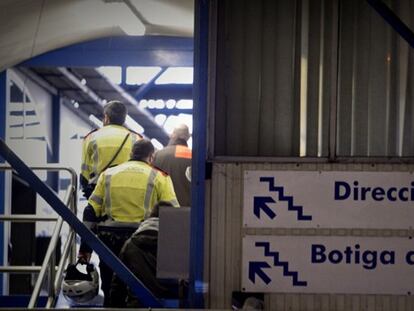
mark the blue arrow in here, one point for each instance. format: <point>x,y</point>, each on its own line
<point>256,267</point>
<point>260,203</point>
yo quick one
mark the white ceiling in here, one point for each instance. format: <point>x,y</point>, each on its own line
<point>32,27</point>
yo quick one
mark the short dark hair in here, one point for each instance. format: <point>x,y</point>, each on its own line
<point>116,112</point>
<point>141,150</point>
<point>155,212</point>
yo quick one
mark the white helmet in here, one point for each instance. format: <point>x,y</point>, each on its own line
<point>80,287</point>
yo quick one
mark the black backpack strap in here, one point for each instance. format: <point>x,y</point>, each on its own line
<point>116,153</point>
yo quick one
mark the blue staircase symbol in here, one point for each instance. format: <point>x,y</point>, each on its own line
<point>282,197</point>
<point>256,267</point>
<point>279,263</point>
<point>260,203</point>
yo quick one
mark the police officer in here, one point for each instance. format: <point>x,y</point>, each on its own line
<point>106,147</point>
<point>175,159</point>
<point>123,197</point>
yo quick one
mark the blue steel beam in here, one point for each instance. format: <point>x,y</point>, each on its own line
<point>120,51</point>
<point>169,112</point>
<point>4,99</point>
<point>53,152</point>
<point>164,91</point>
<point>139,94</point>
<point>104,253</point>
<point>392,19</point>
<point>200,153</point>
<point>142,116</point>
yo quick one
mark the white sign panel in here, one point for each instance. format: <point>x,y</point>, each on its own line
<point>328,199</point>
<point>351,265</point>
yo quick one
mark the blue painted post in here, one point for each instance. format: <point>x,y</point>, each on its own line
<point>4,98</point>
<point>197,286</point>
<point>53,154</point>
<point>147,86</point>
<point>124,75</point>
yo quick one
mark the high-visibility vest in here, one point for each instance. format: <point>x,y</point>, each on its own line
<point>128,192</point>
<point>100,146</point>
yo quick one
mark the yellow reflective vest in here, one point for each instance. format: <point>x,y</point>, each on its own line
<point>127,192</point>
<point>100,146</point>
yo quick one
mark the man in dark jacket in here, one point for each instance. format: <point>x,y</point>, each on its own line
<point>139,254</point>
<point>175,159</point>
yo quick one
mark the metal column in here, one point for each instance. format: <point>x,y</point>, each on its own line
<point>53,151</point>
<point>4,98</point>
<point>197,286</point>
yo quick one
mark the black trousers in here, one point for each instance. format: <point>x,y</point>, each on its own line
<point>114,238</point>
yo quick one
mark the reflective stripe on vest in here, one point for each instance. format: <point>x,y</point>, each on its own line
<point>97,199</point>
<point>148,193</point>
<point>108,203</point>
<point>95,160</point>
<point>182,152</point>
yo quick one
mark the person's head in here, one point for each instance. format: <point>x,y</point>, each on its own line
<point>115,113</point>
<point>143,150</point>
<point>180,133</point>
<point>155,212</point>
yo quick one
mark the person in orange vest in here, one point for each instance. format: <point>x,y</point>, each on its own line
<point>175,159</point>
<point>106,147</point>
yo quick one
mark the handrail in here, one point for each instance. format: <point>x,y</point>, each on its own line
<point>59,272</point>
<point>48,167</point>
<point>55,167</point>
<point>49,257</point>
<point>20,269</point>
<point>101,249</point>
<point>27,218</point>
<point>69,251</point>
<point>45,265</point>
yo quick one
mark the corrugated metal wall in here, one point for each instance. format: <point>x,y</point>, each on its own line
<point>314,78</point>
<point>249,67</point>
<point>376,81</point>
<point>226,231</point>
<point>294,76</point>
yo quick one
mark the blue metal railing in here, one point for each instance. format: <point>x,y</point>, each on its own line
<point>48,268</point>
<point>105,254</point>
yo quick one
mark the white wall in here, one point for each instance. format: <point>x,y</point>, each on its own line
<point>23,140</point>
<point>72,132</point>
<point>32,151</point>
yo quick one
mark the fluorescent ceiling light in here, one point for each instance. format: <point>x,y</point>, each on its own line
<point>113,73</point>
<point>177,75</point>
<point>157,144</point>
<point>95,121</point>
<point>129,122</point>
<point>140,75</point>
<point>133,125</point>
